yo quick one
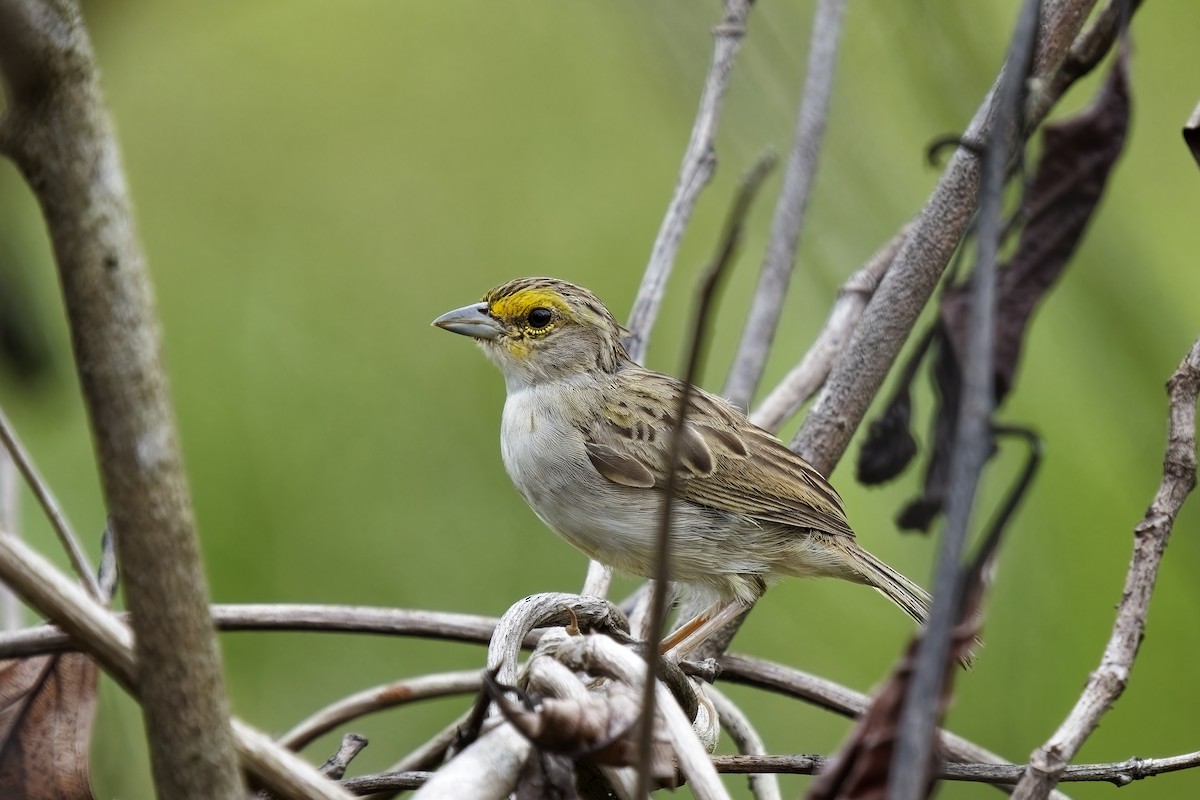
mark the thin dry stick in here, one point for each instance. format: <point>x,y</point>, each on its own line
<point>100,633</point>
<point>912,759</point>
<point>694,174</point>
<point>788,222</point>
<point>1119,773</point>
<point>1108,681</point>
<point>696,171</point>
<point>58,520</point>
<point>10,512</point>
<point>803,381</point>
<point>706,294</point>
<point>57,130</point>
<point>379,698</point>
<point>909,282</point>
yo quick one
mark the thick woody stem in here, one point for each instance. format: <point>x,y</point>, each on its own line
<point>56,129</point>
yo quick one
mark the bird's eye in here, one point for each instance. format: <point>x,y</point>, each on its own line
<point>540,318</point>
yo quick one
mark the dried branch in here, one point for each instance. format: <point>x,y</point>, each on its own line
<point>99,632</point>
<point>912,759</point>
<point>445,625</point>
<point>660,588</point>
<point>1108,681</point>
<point>378,698</point>
<point>57,131</point>
<point>788,222</point>
<point>806,378</point>
<point>1118,773</point>
<point>41,491</point>
<point>699,162</point>
<point>10,513</point>
<point>909,282</point>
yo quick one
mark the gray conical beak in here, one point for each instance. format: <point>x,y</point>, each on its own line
<point>472,320</point>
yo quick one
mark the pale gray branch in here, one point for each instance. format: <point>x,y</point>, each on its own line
<point>486,770</point>
<point>10,512</point>
<point>1119,773</point>
<point>699,162</point>
<point>909,282</point>
<point>806,378</point>
<point>1150,537</point>
<point>788,222</point>
<point>378,698</point>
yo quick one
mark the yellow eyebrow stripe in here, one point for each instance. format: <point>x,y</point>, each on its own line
<point>517,305</point>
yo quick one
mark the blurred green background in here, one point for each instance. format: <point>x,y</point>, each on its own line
<point>316,181</point>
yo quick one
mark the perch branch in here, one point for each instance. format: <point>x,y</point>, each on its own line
<point>788,222</point>
<point>699,162</point>
<point>10,512</point>
<point>1108,681</point>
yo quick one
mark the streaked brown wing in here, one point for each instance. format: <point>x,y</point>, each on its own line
<point>728,463</point>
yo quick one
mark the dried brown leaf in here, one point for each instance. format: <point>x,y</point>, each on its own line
<point>1078,156</point>
<point>1191,133</point>
<point>47,705</point>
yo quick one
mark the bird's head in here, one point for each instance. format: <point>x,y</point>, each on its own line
<point>541,329</point>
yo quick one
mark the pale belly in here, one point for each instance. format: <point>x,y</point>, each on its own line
<point>617,525</point>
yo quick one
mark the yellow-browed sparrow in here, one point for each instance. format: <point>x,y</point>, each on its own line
<point>585,437</point>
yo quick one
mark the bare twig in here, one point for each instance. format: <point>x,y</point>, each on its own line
<point>788,222</point>
<point>705,295</point>
<point>54,513</point>
<point>56,129</point>
<point>909,282</point>
<point>806,378</point>
<point>99,632</point>
<point>10,514</point>
<point>378,698</point>
<point>445,625</point>
<point>1108,681</point>
<point>699,162</point>
<point>335,766</point>
<point>1119,773</point>
<point>912,758</point>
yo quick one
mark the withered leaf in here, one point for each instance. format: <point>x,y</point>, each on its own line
<point>889,445</point>
<point>1077,157</point>
<point>47,705</point>
<point>1191,134</point>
